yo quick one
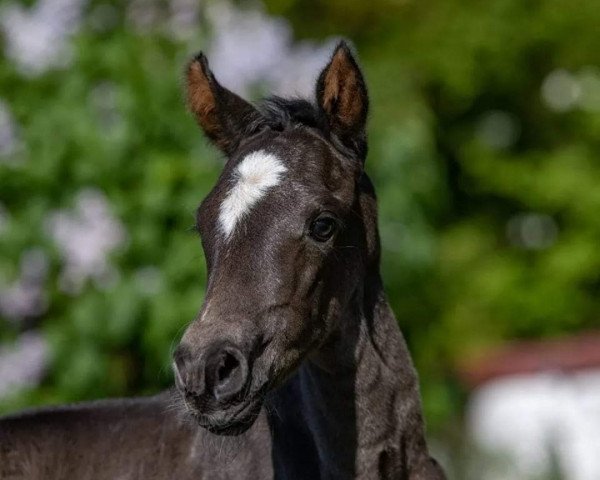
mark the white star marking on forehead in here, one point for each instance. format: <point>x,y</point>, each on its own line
<point>255,174</point>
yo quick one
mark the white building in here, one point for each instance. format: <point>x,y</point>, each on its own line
<point>535,409</point>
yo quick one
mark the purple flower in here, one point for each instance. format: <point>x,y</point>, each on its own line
<point>85,237</point>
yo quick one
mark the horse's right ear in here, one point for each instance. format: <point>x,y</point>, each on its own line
<point>225,117</point>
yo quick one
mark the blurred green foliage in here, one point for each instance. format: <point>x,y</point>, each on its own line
<point>464,152</point>
<point>154,166</point>
<point>451,202</point>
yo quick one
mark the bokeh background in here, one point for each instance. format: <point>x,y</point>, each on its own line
<point>484,143</point>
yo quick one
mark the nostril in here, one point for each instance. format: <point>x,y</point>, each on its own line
<point>227,367</point>
<point>227,372</point>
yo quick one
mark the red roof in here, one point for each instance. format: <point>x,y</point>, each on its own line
<point>565,355</point>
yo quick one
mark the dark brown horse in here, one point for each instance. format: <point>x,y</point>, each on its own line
<point>295,367</point>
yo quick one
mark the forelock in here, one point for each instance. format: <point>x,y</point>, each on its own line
<point>284,113</point>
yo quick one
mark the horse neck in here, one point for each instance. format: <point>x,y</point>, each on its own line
<point>353,409</point>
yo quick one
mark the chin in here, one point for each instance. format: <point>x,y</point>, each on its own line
<point>231,430</point>
<point>235,424</point>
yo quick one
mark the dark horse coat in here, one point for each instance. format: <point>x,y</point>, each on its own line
<point>295,367</point>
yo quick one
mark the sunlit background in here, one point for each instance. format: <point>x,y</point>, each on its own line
<point>484,144</point>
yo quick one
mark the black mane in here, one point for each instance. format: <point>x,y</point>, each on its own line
<point>283,113</point>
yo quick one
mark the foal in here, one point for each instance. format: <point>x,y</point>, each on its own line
<point>295,319</point>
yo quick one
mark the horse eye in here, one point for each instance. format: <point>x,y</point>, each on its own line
<point>323,228</point>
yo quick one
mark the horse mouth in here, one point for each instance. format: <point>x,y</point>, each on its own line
<point>237,422</point>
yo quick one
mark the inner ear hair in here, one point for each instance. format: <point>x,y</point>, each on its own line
<point>223,116</point>
<point>342,93</point>
<point>202,101</point>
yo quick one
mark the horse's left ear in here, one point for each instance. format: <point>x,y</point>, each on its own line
<point>342,97</point>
